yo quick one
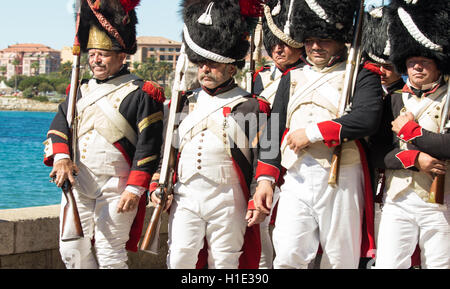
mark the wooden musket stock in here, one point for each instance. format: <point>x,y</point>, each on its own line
<point>438,186</point>
<point>351,70</point>
<point>71,228</point>
<point>165,187</point>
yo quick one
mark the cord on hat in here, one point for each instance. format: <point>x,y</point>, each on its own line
<point>203,52</point>
<point>415,32</point>
<point>277,32</point>
<point>206,18</point>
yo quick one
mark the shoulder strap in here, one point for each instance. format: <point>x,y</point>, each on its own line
<point>117,119</point>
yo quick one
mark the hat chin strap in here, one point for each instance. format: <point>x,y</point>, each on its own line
<point>414,31</point>
<point>203,52</point>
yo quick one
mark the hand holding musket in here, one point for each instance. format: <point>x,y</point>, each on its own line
<point>351,71</point>
<point>438,185</point>
<point>71,228</point>
<point>165,184</point>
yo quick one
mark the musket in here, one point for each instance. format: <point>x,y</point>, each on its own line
<point>351,70</point>
<point>438,184</point>
<point>165,183</point>
<point>71,228</point>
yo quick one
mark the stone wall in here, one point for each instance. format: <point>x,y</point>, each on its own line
<point>29,240</point>
<point>24,104</point>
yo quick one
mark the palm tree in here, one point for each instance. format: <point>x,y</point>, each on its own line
<point>35,66</point>
<point>15,62</point>
<point>164,68</point>
<point>2,70</point>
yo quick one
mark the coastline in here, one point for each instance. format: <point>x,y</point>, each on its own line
<point>25,104</point>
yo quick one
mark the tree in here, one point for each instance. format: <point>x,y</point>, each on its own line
<point>164,68</point>
<point>35,66</point>
<point>65,69</point>
<point>2,70</point>
<point>15,62</point>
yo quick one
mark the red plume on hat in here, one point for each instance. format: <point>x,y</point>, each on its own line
<point>251,8</point>
<point>129,5</point>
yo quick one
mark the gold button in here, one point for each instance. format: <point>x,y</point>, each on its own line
<point>199,154</point>
<point>83,157</point>
<point>117,99</point>
<point>199,161</point>
<point>199,167</point>
<point>84,150</point>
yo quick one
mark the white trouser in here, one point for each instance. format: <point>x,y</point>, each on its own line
<point>266,261</point>
<point>310,212</point>
<point>205,210</point>
<point>408,221</point>
<point>97,199</point>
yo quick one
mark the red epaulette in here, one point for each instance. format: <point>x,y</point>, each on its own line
<point>264,104</point>
<point>372,67</point>
<point>154,90</point>
<point>259,70</point>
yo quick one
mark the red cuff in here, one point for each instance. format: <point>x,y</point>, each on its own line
<point>153,186</point>
<point>251,205</point>
<point>139,178</point>
<point>57,148</point>
<point>267,170</point>
<point>408,158</point>
<point>410,131</point>
<point>331,132</point>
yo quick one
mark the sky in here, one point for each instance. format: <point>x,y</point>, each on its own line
<point>52,22</point>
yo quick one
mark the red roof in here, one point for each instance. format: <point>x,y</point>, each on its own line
<point>28,47</point>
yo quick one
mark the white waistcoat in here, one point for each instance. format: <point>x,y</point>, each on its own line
<point>316,98</point>
<point>428,115</point>
<point>205,148</point>
<point>96,132</point>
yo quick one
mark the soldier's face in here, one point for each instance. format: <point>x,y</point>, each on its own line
<point>284,55</point>
<point>421,71</point>
<point>104,63</point>
<point>388,74</point>
<point>212,74</point>
<point>320,51</point>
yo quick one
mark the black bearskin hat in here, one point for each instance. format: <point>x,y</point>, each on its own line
<point>375,41</point>
<point>327,19</point>
<point>215,31</point>
<point>279,19</point>
<point>420,28</point>
<point>115,18</point>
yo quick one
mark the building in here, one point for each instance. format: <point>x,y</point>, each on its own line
<point>162,49</point>
<point>20,58</point>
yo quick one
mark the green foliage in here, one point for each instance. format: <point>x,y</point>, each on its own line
<point>152,70</point>
<point>28,93</point>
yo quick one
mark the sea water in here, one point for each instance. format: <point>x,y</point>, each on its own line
<point>24,179</point>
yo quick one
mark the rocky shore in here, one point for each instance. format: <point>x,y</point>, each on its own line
<point>25,104</point>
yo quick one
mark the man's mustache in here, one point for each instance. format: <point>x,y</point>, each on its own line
<point>203,75</point>
<point>98,65</point>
